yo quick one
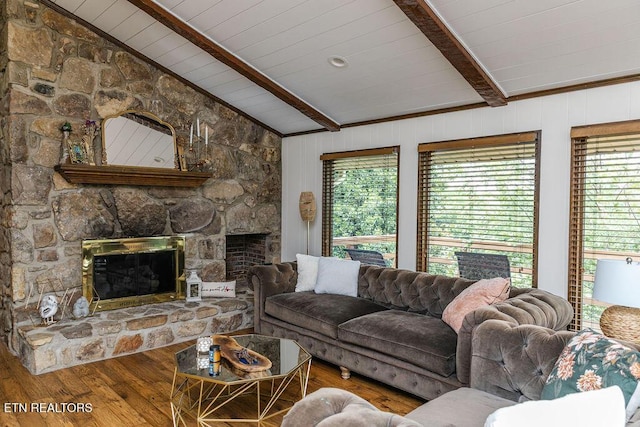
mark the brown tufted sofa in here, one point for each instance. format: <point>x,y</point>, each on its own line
<point>393,331</point>
<point>510,364</point>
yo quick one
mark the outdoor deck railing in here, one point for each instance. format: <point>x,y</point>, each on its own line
<point>494,246</point>
<point>481,245</point>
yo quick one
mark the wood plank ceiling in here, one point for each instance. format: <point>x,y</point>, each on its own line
<point>271,59</point>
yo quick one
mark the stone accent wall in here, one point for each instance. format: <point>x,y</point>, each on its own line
<point>54,70</point>
<point>5,184</point>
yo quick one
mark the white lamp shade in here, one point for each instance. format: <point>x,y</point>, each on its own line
<point>617,282</point>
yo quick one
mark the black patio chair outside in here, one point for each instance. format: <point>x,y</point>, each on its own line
<point>367,257</point>
<point>476,266</point>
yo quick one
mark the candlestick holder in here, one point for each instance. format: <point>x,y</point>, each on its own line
<point>199,154</point>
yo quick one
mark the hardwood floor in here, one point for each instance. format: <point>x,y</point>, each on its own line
<point>134,390</point>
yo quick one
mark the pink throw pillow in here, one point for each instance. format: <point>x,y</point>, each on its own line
<point>483,292</point>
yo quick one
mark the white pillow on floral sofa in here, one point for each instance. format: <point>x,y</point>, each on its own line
<point>596,408</point>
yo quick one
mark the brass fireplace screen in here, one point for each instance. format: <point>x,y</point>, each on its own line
<point>127,272</point>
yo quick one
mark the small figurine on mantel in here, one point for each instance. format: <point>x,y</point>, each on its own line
<point>66,131</point>
<point>81,307</point>
<point>48,308</point>
<point>73,149</point>
<point>90,129</point>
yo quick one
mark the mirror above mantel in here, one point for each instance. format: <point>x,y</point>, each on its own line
<point>138,149</point>
<point>135,138</point>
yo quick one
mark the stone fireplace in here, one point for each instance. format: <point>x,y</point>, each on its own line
<point>57,71</point>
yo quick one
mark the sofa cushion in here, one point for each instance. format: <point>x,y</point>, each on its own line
<point>482,293</point>
<point>307,272</point>
<point>595,408</point>
<point>321,313</point>
<point>591,361</point>
<point>464,407</point>
<point>333,407</point>
<point>422,340</point>
<point>337,276</point>
<point>418,292</point>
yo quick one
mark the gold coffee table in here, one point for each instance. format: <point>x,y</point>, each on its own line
<point>237,396</point>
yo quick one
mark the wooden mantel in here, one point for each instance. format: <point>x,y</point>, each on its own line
<point>131,175</point>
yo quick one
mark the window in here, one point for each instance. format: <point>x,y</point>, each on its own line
<point>604,208</point>
<point>360,202</point>
<point>479,195</point>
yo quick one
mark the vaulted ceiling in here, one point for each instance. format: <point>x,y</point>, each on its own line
<point>275,60</point>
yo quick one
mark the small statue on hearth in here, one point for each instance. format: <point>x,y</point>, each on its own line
<point>81,308</point>
<point>48,308</point>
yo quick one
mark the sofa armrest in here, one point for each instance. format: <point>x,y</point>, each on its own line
<point>523,307</point>
<point>267,280</point>
<point>334,407</point>
<point>514,361</point>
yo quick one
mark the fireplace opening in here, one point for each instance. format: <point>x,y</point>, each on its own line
<point>243,251</point>
<point>130,275</point>
<point>132,271</point>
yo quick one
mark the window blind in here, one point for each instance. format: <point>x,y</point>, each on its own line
<point>479,195</point>
<point>604,208</point>
<point>360,201</point>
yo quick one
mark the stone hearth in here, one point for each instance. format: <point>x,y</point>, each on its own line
<point>118,332</point>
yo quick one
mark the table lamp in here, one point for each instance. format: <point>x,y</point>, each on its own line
<point>618,282</point>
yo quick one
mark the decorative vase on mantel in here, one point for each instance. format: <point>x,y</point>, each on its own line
<point>66,132</point>
<point>90,129</point>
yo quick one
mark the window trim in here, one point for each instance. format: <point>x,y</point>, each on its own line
<point>327,194</point>
<point>422,235</point>
<point>576,207</point>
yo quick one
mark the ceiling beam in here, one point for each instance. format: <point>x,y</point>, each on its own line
<point>223,55</point>
<point>427,21</point>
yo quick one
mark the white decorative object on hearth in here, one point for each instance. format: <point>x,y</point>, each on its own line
<point>194,287</point>
<point>81,307</point>
<point>48,308</point>
<point>219,289</point>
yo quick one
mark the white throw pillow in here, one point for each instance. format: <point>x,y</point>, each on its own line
<point>307,272</point>
<point>596,408</point>
<point>337,276</point>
